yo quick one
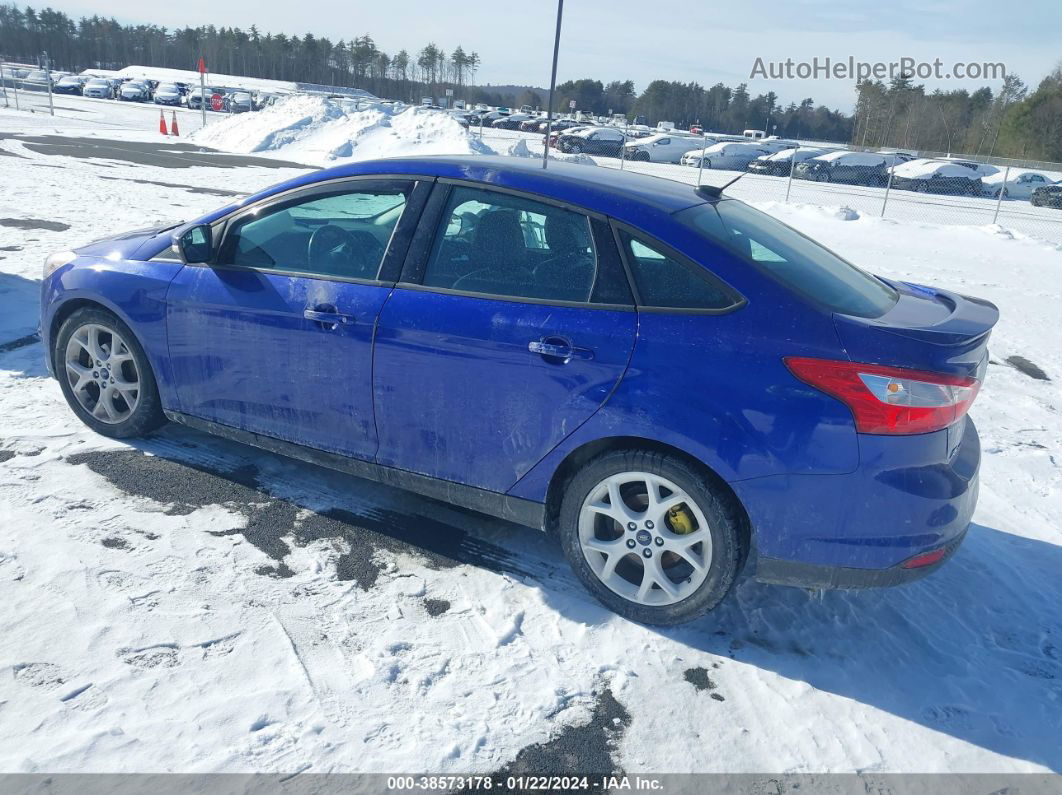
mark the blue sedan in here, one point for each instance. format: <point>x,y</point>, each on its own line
<point>672,383</point>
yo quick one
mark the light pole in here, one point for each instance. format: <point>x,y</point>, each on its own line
<point>552,84</point>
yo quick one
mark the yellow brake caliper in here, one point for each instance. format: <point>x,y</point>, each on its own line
<point>680,519</point>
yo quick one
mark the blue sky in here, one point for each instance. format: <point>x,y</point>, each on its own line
<point>642,40</point>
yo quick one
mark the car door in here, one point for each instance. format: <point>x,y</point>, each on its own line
<point>275,335</point>
<point>511,326</point>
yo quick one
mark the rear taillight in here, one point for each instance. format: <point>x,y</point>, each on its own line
<point>890,400</point>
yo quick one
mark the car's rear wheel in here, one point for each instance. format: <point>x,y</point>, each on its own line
<point>105,375</point>
<point>650,537</point>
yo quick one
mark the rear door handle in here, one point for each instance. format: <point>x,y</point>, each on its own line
<point>328,317</point>
<point>558,349</point>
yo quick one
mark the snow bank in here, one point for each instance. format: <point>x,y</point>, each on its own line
<point>318,130</point>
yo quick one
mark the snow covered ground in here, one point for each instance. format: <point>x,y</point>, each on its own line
<point>182,603</point>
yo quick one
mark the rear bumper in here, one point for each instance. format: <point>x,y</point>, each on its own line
<point>811,575</point>
<point>910,495</point>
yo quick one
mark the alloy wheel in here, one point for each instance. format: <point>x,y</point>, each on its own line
<point>102,373</point>
<point>645,538</point>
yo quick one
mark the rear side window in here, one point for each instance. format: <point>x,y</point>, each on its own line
<point>502,245</point>
<point>793,259</point>
<point>664,281</point>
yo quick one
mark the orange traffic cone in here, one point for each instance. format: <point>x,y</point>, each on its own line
<point>173,126</point>
<point>162,123</point>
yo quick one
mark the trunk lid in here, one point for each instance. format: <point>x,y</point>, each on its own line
<point>927,329</point>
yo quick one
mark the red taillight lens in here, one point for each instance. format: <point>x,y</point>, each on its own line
<point>890,400</point>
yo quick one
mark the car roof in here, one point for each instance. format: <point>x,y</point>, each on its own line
<point>596,188</point>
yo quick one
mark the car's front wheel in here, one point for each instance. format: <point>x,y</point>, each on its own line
<point>105,375</point>
<point>650,537</point>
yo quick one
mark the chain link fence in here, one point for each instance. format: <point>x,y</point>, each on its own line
<point>979,191</point>
<point>25,87</point>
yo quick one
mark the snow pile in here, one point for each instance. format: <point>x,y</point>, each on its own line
<point>319,130</point>
<point>288,122</point>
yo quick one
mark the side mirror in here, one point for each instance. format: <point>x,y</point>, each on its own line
<point>195,244</point>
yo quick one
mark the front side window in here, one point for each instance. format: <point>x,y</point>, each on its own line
<point>795,260</point>
<point>665,281</point>
<point>343,234</point>
<point>503,245</point>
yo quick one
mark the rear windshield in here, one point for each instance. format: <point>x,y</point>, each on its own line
<point>793,259</point>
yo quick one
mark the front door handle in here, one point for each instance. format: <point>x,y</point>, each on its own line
<point>558,350</point>
<point>328,317</point>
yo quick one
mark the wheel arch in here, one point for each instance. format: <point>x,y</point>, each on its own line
<point>580,456</point>
<point>72,305</point>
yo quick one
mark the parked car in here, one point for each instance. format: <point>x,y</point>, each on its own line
<point>555,134</point>
<point>168,94</point>
<point>69,84</point>
<point>39,77</point>
<point>98,88</point>
<point>240,102</point>
<point>661,148</point>
<point>606,141</point>
<point>1047,196</point>
<point>727,155</point>
<point>1019,184</point>
<point>197,97</point>
<point>319,320</point>
<point>936,176</point>
<point>775,144</point>
<point>983,169</point>
<point>490,117</point>
<point>134,91</point>
<point>779,164</point>
<point>512,121</point>
<point>557,125</point>
<point>853,168</point>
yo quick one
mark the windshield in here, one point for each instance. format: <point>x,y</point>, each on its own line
<point>793,259</point>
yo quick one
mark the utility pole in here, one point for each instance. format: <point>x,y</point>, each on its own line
<point>552,84</point>
<point>48,80</point>
<point>202,88</point>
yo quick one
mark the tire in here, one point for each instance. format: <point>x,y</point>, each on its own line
<point>642,157</point>
<point>922,187</point>
<point>585,518</point>
<point>575,149</point>
<point>132,410</point>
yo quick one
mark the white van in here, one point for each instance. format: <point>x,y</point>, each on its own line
<point>754,135</point>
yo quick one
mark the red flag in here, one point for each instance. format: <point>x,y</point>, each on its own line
<point>202,66</point>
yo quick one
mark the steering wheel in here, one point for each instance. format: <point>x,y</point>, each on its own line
<point>333,250</point>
